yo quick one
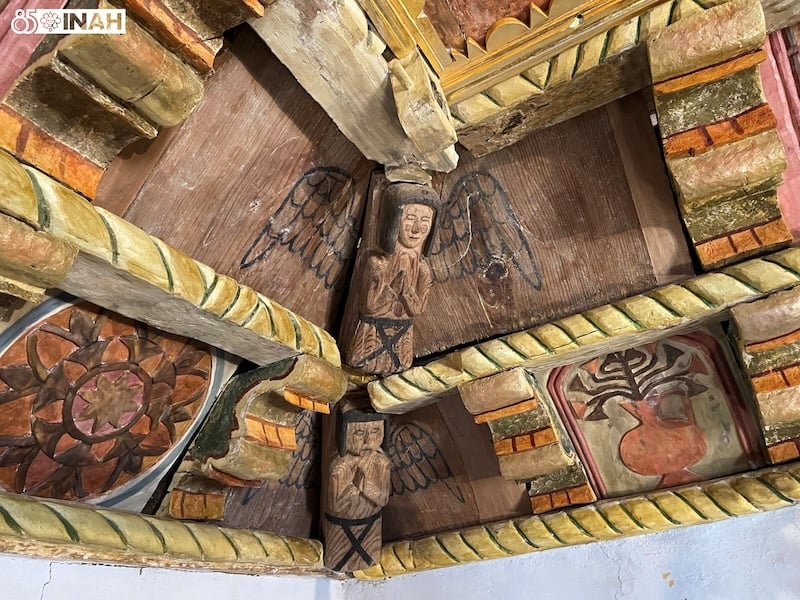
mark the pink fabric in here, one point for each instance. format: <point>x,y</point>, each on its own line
<point>16,49</point>
<point>782,95</point>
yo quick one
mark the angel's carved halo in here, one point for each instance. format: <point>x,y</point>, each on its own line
<point>356,412</point>
<point>397,196</point>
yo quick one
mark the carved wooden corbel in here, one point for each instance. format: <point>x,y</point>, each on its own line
<point>392,279</point>
<point>356,489</point>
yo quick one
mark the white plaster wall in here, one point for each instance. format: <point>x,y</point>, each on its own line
<point>754,557</point>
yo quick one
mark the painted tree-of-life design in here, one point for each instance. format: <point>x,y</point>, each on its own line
<point>89,400</point>
<point>656,416</point>
<point>656,389</point>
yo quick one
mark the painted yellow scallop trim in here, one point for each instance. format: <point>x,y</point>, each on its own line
<point>56,529</point>
<point>760,491</point>
<point>40,201</point>
<point>657,310</point>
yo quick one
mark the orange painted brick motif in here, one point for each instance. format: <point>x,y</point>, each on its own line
<point>581,494</point>
<point>783,452</point>
<point>306,403</point>
<point>704,138</point>
<point>175,35</point>
<point>265,433</point>
<point>507,411</point>
<point>777,379</point>
<point>789,338</point>
<point>30,144</point>
<point>711,74</point>
<point>527,441</point>
<point>753,238</point>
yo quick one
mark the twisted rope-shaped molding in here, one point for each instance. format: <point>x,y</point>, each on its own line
<point>756,492</point>
<point>53,529</point>
<point>612,327</point>
<point>42,203</point>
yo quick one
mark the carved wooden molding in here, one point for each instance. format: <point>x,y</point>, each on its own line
<point>512,47</point>
<point>582,77</point>
<point>760,491</point>
<point>611,327</point>
<point>53,529</point>
<point>120,267</point>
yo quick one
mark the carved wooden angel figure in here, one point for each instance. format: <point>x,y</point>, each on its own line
<point>358,487</point>
<point>394,281</point>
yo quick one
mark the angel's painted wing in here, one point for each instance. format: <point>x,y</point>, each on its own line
<point>417,462</point>
<point>318,220</point>
<point>478,230</point>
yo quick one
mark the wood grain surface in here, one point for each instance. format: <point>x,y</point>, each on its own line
<point>570,202</point>
<point>445,474</point>
<point>216,192</point>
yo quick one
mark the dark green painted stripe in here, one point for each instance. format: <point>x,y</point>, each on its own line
<point>273,329</point>
<point>468,545</point>
<point>41,204</point>
<point>553,533</point>
<point>194,537</point>
<point>510,347</point>
<point>446,551</point>
<point>11,522</point>
<point>665,307</point>
<point>252,314</point>
<point>572,338</point>
<point>298,337</point>
<point>113,237</point>
<point>232,304</point>
<point>320,351</point>
<point>771,260</point>
<point>409,382</point>
<point>71,531</point>
<point>603,516</point>
<point>699,297</point>
<point>578,526</point>
<point>578,57</point>
<point>604,49</point>
<point>718,505</point>
<point>209,289</point>
<point>717,219</point>
<point>231,542</point>
<point>746,499</point>
<point>663,512</point>
<point>483,353</point>
<point>170,281</point>
<point>628,513</point>
<point>690,505</point>
<point>496,541</point>
<point>397,556</point>
<point>495,102</point>
<point>630,318</point>
<point>115,527</point>
<point>260,543</point>
<point>524,537</point>
<point>434,376</point>
<point>289,548</point>
<point>777,492</point>
<point>159,535</point>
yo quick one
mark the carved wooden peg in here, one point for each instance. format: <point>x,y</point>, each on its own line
<point>357,488</point>
<point>392,279</point>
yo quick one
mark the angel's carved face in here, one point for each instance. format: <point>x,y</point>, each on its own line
<point>364,437</point>
<point>415,225</point>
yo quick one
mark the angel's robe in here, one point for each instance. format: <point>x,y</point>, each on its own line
<point>359,487</point>
<point>395,290</point>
